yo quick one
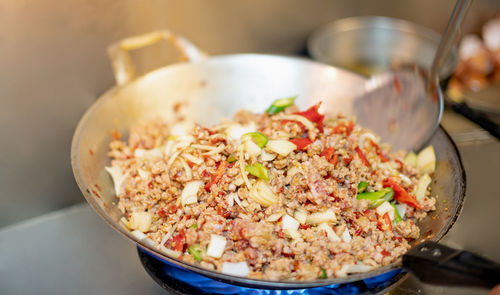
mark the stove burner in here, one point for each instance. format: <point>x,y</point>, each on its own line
<point>180,281</point>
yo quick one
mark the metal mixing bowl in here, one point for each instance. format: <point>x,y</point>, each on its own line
<point>372,44</point>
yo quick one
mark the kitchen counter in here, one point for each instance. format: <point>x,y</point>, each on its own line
<point>74,251</point>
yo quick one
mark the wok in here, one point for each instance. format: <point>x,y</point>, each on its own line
<point>216,87</point>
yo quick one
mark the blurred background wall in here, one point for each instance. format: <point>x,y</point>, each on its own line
<point>53,65</point>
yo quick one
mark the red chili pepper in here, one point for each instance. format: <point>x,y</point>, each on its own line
<point>387,220</point>
<point>397,84</point>
<point>330,156</point>
<point>400,194</point>
<point>172,209</point>
<point>179,241</point>
<point>301,143</point>
<point>217,176</point>
<point>382,157</point>
<point>385,253</point>
<point>302,127</point>
<point>358,232</point>
<point>162,212</point>
<point>347,160</point>
<point>362,157</point>
<point>312,115</point>
<point>401,164</point>
<point>350,127</point>
<point>304,226</point>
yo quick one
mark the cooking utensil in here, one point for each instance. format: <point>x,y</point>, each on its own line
<point>211,88</point>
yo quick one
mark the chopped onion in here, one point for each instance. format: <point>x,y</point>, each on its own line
<point>281,147</point>
<point>386,208</point>
<point>169,234</point>
<point>261,193</point>
<point>251,148</point>
<point>401,210</point>
<point>203,147</point>
<point>274,217</point>
<point>426,160</point>
<point>239,269</point>
<point>230,199</point>
<point>143,174</point>
<point>332,236</point>
<point>289,222</point>
<point>405,178</point>
<point>170,252</point>
<point>308,124</point>
<point>238,201</point>
<point>234,132</point>
<point>216,246</point>
<point>293,233</point>
<point>118,178</point>
<point>148,154</point>
<point>215,151</point>
<point>422,185</point>
<point>346,236</point>
<point>411,159</point>
<point>141,221</point>
<point>363,137</point>
<point>300,215</point>
<point>172,158</point>
<point>192,158</point>
<point>353,268</point>
<point>265,156</point>
<point>189,194</point>
<point>321,217</point>
<point>189,172</point>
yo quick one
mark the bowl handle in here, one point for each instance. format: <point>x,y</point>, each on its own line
<point>123,67</point>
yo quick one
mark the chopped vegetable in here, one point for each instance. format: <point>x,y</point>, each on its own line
<point>312,115</point>
<point>330,156</point>
<point>378,197</point>
<point>189,193</point>
<point>280,105</point>
<point>141,221</point>
<point>231,159</point>
<point>401,210</point>
<point>195,226</point>
<point>217,176</point>
<point>321,217</point>
<point>281,147</point>
<point>411,159</point>
<point>195,251</point>
<point>258,170</point>
<point>397,217</point>
<point>346,236</point>
<point>426,160</point>
<point>323,274</point>
<point>179,241</point>
<point>387,220</point>
<point>235,268</point>
<point>384,208</point>
<point>258,138</point>
<point>362,185</point>
<point>422,185</point>
<point>331,235</point>
<point>300,215</point>
<point>366,136</point>
<point>300,119</point>
<point>289,222</point>
<point>216,246</point>
<point>301,143</point>
<point>400,194</point>
<point>266,157</point>
<point>261,192</point>
<point>251,148</point>
<point>362,157</point>
<point>235,131</point>
<point>274,217</point>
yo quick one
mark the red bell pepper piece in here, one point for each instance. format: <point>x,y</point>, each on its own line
<point>387,220</point>
<point>312,115</point>
<point>362,157</point>
<point>400,194</point>
<point>217,176</point>
<point>330,156</point>
<point>179,241</point>
<point>301,143</point>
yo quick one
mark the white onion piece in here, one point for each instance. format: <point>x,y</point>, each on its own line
<point>332,236</point>
<point>346,236</point>
<point>426,160</point>
<point>411,159</point>
<point>292,171</point>
<point>143,174</point>
<point>118,177</point>
<point>189,172</point>
<point>281,147</point>
<point>308,124</point>
<point>189,194</point>
<point>422,185</point>
<point>148,154</point>
<point>405,178</point>
<point>274,217</point>
<point>289,222</point>
<point>293,233</point>
<point>251,148</point>
<point>141,221</point>
<point>386,208</point>
<point>230,199</point>
<point>203,147</point>
<point>300,215</point>
<point>238,201</point>
<point>321,217</point>
<point>236,131</point>
<point>215,151</point>
<point>401,210</point>
<point>265,156</point>
<point>262,193</point>
<point>173,158</point>
<point>192,158</point>
<point>363,137</point>
<point>239,269</point>
<point>216,246</point>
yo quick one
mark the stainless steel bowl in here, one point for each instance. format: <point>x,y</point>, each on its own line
<point>372,44</point>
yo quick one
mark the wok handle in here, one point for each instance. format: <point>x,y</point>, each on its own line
<point>437,264</point>
<point>123,67</point>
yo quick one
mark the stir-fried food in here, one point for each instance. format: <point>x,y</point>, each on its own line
<point>283,195</point>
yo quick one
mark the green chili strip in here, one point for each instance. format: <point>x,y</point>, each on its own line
<point>231,159</point>
<point>378,197</point>
<point>397,216</point>
<point>195,251</point>
<point>258,170</point>
<point>257,137</point>
<point>194,226</point>
<point>280,105</point>
<point>362,185</point>
<point>323,274</point>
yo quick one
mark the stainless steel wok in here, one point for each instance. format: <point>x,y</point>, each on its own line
<point>216,87</point>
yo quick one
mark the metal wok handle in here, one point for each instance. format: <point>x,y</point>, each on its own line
<point>123,67</point>
<point>437,264</point>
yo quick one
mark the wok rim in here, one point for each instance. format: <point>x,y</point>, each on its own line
<point>230,279</point>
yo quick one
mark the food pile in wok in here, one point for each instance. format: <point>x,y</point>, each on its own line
<point>282,195</point>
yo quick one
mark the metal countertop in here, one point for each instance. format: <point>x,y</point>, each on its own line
<point>73,251</point>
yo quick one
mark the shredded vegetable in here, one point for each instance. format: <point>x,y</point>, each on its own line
<point>258,170</point>
<point>280,105</point>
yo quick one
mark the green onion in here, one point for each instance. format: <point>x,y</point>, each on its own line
<point>378,197</point>
<point>195,251</point>
<point>362,185</point>
<point>258,170</point>
<point>280,105</point>
<point>194,226</point>
<point>258,138</point>
<point>397,216</point>
<point>323,274</point>
<point>231,159</point>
